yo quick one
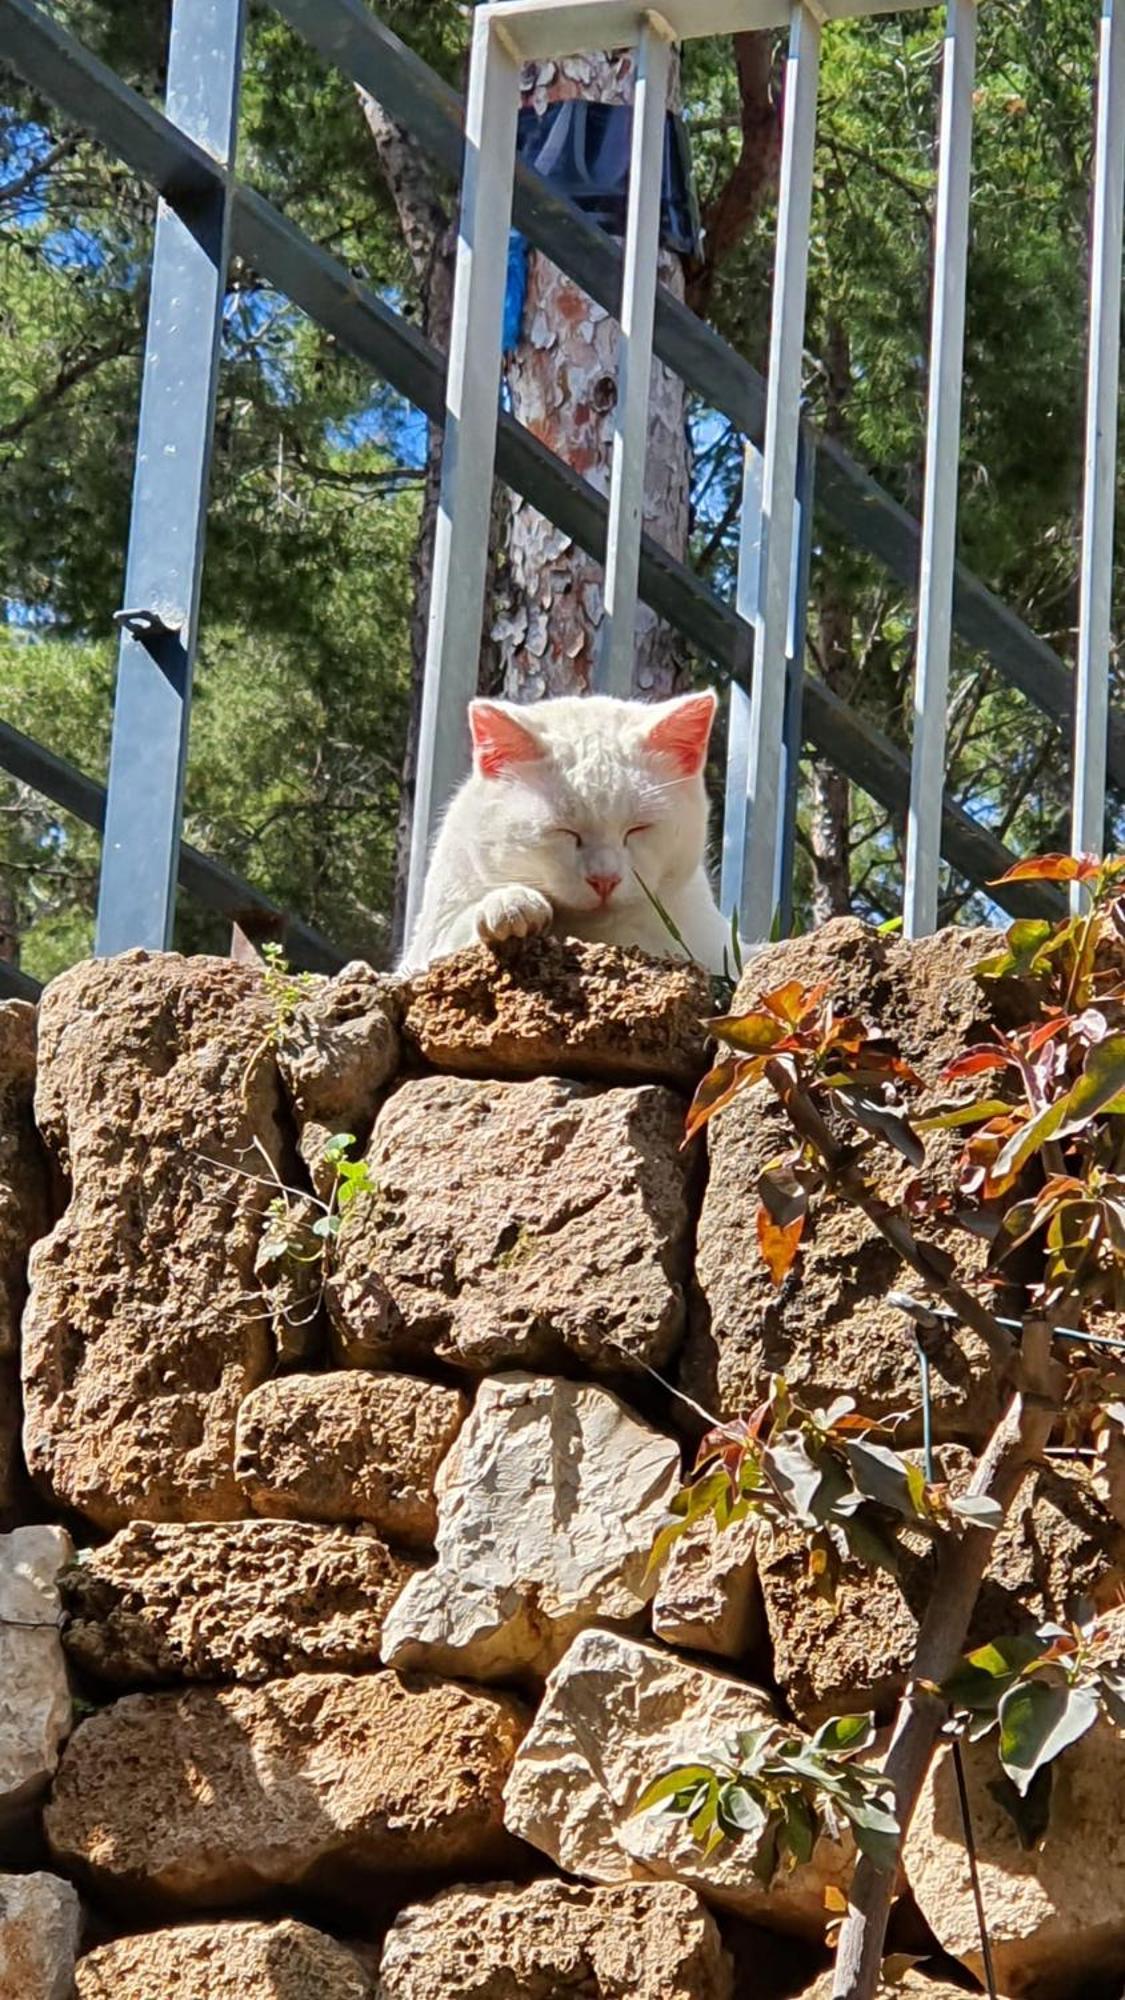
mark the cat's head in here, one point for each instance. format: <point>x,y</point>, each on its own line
<point>581,796</point>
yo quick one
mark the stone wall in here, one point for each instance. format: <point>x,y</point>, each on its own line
<point>331,1660</point>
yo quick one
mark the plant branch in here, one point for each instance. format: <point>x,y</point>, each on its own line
<point>1015,1446</point>
<point>929,1264</point>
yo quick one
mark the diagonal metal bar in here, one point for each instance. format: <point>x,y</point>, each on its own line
<point>943,459</point>
<point>210,882</point>
<point>152,704</point>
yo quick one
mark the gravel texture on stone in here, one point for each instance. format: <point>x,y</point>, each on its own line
<point>147,1323</point>
<point>230,1600</point>
<point>348,1446</point>
<point>559,1007</point>
<point>556,1941</point>
<point>211,1797</point>
<point>517,1224</point>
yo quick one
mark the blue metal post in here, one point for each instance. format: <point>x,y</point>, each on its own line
<point>136,900</point>
<point>793,723</point>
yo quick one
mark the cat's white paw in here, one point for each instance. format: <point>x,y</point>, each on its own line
<point>512,912</point>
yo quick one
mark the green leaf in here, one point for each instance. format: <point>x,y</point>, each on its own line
<point>799,1829</point>
<point>988,1670</point>
<point>1038,1720</point>
<point>877,1835</point>
<point>843,1735</point>
<point>671,1783</point>
<point>740,1813</point>
<point>881,1475</point>
<point>884,1122</point>
<point>338,1146</point>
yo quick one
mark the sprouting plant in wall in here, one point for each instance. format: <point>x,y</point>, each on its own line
<point>1040,1180</point>
<point>301,1227</point>
<point>777,1792</point>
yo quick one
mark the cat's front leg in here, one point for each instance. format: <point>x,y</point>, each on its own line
<point>514,911</point>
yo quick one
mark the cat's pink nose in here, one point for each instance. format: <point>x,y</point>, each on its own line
<point>603,885</point>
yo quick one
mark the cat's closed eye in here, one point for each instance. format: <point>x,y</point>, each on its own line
<point>630,831</point>
<point>567,833</point>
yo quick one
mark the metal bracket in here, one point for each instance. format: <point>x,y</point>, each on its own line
<point>144,625</point>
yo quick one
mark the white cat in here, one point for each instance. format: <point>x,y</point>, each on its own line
<point>570,806</point>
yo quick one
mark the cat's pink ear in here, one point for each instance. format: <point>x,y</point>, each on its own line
<point>684,731</point>
<point>499,741</point>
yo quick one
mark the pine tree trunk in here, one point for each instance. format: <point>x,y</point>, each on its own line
<point>562,379</point>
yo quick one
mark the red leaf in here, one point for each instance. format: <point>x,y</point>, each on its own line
<point>778,1245</point>
<point>794,1002</point>
<point>716,1089</point>
<point>974,1061</point>
<point>1051,868</point>
<point>751,1033</point>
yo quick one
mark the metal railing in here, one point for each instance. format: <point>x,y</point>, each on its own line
<point>205,212</point>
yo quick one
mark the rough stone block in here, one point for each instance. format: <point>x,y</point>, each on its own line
<point>1058,1545</point>
<point>35,1706</point>
<point>323,1782</point>
<point>517,1224</point>
<point>1056,1909</point>
<point>146,1323</point>
<point>556,1941</point>
<point>828,1328</point>
<point>336,1053</point>
<point>40,1921</point>
<point>558,1007</point>
<point>232,1961</point>
<point>617,1714</point>
<point>707,1599</point>
<point>230,1600</point>
<point>348,1446</point>
<point>548,1507</point>
<point>24,1217</point>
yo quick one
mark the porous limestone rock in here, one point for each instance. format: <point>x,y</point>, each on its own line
<point>617,1714</point>
<point>517,1223</point>
<point>215,1795</point>
<point>230,1600</point>
<point>146,1324</point>
<point>24,1216</point>
<point>1058,1545</point>
<point>556,1941</point>
<point>40,1921</point>
<point>348,1446</point>
<point>232,1961</point>
<point>707,1599</point>
<point>829,1328</point>
<point>35,1707</point>
<point>336,1052</point>
<point>1056,1908</point>
<point>548,1507</point>
<point>558,1007</point>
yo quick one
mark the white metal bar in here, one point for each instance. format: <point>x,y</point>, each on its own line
<point>614,670</point>
<point>735,795</point>
<point>943,453</point>
<point>472,394</point>
<point>779,473</point>
<point>1096,590</point>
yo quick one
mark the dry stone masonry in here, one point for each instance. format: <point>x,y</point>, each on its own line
<point>332,1661</point>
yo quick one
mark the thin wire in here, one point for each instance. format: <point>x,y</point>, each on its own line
<point>930,1310</point>
<point>974,1872</point>
<point>958,1762</point>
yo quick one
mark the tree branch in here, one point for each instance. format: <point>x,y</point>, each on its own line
<point>1016,1444</point>
<point>729,215</point>
<point>67,379</point>
<point>13,189</point>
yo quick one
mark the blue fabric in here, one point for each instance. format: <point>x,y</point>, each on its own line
<point>515,291</point>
